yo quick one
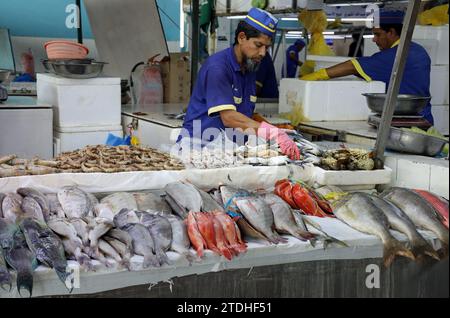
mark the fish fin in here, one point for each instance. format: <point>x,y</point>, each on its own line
<point>327,240</point>
<point>424,249</point>
<point>226,252</point>
<point>25,281</point>
<point>393,249</point>
<point>5,280</point>
<point>150,260</point>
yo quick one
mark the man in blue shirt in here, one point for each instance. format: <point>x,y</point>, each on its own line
<point>224,95</point>
<point>292,58</point>
<point>378,67</point>
<point>266,79</point>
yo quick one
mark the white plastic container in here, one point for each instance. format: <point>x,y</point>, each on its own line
<point>439,84</point>
<point>435,40</point>
<point>69,139</point>
<point>338,100</point>
<point>352,179</point>
<point>441,118</point>
<point>81,102</point>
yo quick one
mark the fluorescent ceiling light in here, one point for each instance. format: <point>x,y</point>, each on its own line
<point>181,25</point>
<point>362,4</point>
<point>289,19</point>
<point>236,17</point>
<point>369,36</point>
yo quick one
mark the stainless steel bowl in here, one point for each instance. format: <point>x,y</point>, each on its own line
<point>406,104</point>
<point>77,70</point>
<point>414,143</point>
<point>4,74</point>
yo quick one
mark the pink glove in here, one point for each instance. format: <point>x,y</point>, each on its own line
<point>287,146</point>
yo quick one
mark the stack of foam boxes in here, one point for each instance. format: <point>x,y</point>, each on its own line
<point>85,111</point>
<point>435,41</point>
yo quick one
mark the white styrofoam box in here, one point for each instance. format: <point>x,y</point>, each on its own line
<point>413,174</point>
<point>439,180</point>
<point>439,84</point>
<point>357,178</point>
<point>438,50</point>
<point>327,61</point>
<point>441,118</point>
<point>69,139</point>
<point>328,100</point>
<point>81,102</point>
<point>392,162</point>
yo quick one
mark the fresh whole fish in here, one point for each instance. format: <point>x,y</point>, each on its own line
<point>46,245</point>
<point>399,221</point>
<point>120,248</point>
<point>73,249</point>
<point>438,203</point>
<point>209,204</point>
<point>196,238</point>
<point>2,196</point>
<point>40,198</point>
<point>151,202</point>
<point>122,236</point>
<point>108,250</point>
<point>18,255</point>
<point>120,200</point>
<point>55,207</point>
<point>5,276</point>
<point>81,227</point>
<point>231,232</point>
<point>161,232</point>
<point>421,213</point>
<point>142,244</point>
<point>206,227</point>
<point>31,208</point>
<point>75,202</point>
<point>221,241</point>
<point>185,196</point>
<point>124,217</point>
<point>102,226</point>
<point>63,227</point>
<point>260,216</point>
<point>284,219</point>
<point>104,211</point>
<point>180,240</point>
<point>11,206</point>
<point>360,213</point>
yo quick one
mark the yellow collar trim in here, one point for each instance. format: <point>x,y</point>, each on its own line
<point>395,43</point>
<point>260,24</point>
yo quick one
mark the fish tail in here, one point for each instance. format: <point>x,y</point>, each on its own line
<point>226,252</point>
<point>125,263</point>
<point>5,281</point>
<point>275,238</point>
<point>394,248</point>
<point>150,260</point>
<point>327,240</point>
<point>25,281</point>
<point>421,249</point>
<point>443,251</point>
<point>62,273</point>
<point>162,258</point>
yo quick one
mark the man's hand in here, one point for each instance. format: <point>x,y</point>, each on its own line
<point>287,146</point>
<point>320,75</point>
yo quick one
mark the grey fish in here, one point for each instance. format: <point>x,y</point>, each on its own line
<point>229,196</point>
<point>216,195</point>
<point>185,196</point>
<point>108,250</point>
<point>120,200</point>
<point>5,276</point>
<point>73,249</point>
<point>55,207</point>
<point>2,196</point>
<point>101,227</point>
<point>46,245</point>
<point>81,227</point>
<point>180,240</point>
<point>421,213</point>
<point>18,255</point>
<point>124,217</point>
<point>260,216</point>
<point>161,232</point>
<point>284,219</point>
<point>122,236</point>
<point>399,221</point>
<point>32,208</point>
<point>120,248</point>
<point>147,201</point>
<point>142,243</point>
<point>63,227</point>
<point>40,198</point>
<point>11,206</point>
<point>209,203</point>
<point>75,202</point>
<point>360,213</point>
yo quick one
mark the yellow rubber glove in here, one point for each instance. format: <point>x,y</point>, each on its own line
<point>320,75</point>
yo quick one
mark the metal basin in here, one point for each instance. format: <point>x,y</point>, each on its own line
<point>406,104</point>
<point>77,70</point>
<point>414,143</point>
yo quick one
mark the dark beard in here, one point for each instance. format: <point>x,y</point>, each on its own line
<point>251,66</point>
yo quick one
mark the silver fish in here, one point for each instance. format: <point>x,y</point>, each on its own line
<point>360,213</point>
<point>5,276</point>
<point>120,248</point>
<point>142,244</point>
<point>147,201</point>
<point>32,208</point>
<point>161,232</point>
<point>120,200</point>
<point>122,236</point>
<point>55,207</point>
<point>209,203</point>
<point>183,198</point>
<point>63,227</point>
<point>108,250</point>
<point>2,196</point>
<point>124,217</point>
<point>180,240</point>
<point>284,219</point>
<point>101,227</point>
<point>81,227</point>
<point>75,202</point>
<point>46,245</point>
<point>40,198</point>
<point>399,221</point>
<point>421,213</point>
<point>260,216</point>
<point>11,207</point>
<point>73,249</point>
